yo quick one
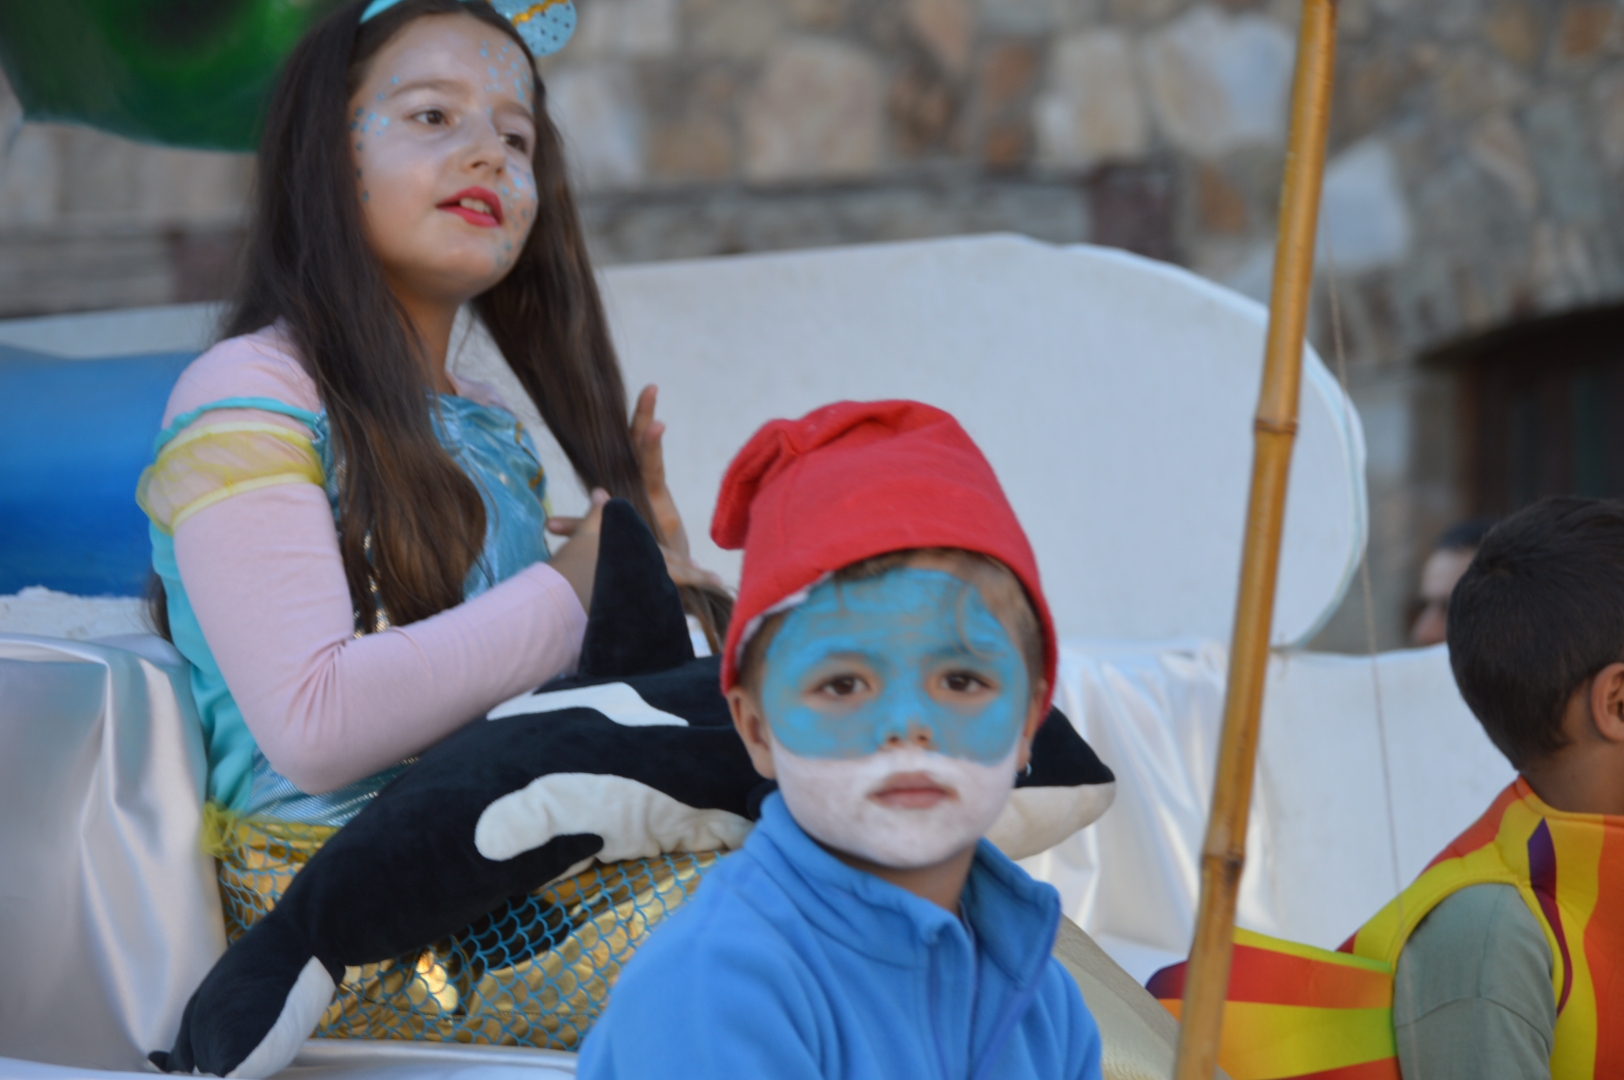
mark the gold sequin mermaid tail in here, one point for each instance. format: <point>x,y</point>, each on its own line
<point>536,972</point>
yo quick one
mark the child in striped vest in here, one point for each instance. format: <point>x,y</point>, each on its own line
<point>1505,958</point>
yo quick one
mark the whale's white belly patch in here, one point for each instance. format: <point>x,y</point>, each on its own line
<point>616,700</point>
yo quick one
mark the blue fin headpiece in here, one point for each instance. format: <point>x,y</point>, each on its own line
<point>545,25</point>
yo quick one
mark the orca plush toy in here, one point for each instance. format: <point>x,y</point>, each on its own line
<point>633,756</point>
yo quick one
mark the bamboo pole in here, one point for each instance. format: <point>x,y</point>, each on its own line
<point>1274,432</point>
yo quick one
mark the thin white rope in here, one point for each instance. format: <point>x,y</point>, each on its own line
<point>1335,290</point>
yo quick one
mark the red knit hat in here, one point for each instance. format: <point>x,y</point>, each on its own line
<point>856,479</point>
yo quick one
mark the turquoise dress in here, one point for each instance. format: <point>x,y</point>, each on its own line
<point>494,450</point>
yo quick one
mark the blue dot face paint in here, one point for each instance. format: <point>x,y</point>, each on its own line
<point>867,664</point>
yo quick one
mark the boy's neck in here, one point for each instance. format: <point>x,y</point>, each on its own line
<point>941,884</point>
<point>1578,783</point>
<point>1586,774</point>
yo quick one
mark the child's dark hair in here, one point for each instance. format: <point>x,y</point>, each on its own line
<point>1536,615</point>
<point>411,521</point>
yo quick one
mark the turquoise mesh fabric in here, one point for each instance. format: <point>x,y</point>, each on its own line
<point>536,972</point>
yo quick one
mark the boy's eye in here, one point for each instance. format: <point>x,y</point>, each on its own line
<point>430,116</point>
<point>963,682</point>
<point>842,686</point>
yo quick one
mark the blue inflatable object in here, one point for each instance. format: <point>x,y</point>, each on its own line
<point>73,441</point>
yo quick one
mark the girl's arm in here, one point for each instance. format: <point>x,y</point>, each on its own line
<point>264,576</point>
<point>263,573</point>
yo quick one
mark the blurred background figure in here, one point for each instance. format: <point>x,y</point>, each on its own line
<point>1439,573</point>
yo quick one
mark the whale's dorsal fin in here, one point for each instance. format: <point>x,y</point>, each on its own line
<point>636,624</point>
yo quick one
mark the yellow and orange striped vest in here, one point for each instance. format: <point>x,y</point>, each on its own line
<point>1295,1011</point>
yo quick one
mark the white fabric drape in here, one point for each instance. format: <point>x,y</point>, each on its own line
<point>1321,854</point>
<point>109,911</point>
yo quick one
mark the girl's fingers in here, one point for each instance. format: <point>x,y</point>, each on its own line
<point>643,413</point>
<point>563,526</point>
<point>600,499</point>
<point>647,433</point>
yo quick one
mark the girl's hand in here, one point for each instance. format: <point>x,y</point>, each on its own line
<point>580,555</point>
<point>646,435</point>
<point>577,560</point>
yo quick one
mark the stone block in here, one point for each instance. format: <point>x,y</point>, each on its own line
<point>946,27</point>
<point>923,107</point>
<point>1497,146</point>
<point>121,183</point>
<point>1004,77</point>
<point>1353,20</point>
<point>641,28</point>
<point>1143,12</point>
<point>30,179</point>
<point>1585,31</point>
<point>818,14</point>
<point>1091,109</point>
<point>1454,18</point>
<point>696,141</point>
<point>601,120</point>
<point>1132,207</point>
<point>1220,207</point>
<point>816,113</point>
<point>1607,103</point>
<point>1003,88</point>
<point>1369,89</point>
<point>1564,274</point>
<point>1021,16</point>
<point>205,263</point>
<point>741,29</point>
<point>1219,82</point>
<point>45,271</point>
<point>1575,188</point>
<point>1517,32</point>
<point>1364,220</point>
<point>1473,81</point>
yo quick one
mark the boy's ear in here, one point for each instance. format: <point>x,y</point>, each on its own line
<point>1036,713</point>
<point>1607,702</point>
<point>752,728</point>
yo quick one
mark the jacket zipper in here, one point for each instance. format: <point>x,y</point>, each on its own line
<point>1017,1009</point>
<point>935,1014</point>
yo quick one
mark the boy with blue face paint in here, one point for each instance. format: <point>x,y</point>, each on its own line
<point>889,661</point>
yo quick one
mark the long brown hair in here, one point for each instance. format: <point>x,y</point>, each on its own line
<point>411,522</point>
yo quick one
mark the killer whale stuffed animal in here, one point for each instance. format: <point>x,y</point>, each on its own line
<point>633,756</point>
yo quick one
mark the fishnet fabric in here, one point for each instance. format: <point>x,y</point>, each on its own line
<point>536,972</point>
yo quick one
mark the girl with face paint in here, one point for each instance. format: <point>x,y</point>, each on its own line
<point>889,662</point>
<point>350,541</point>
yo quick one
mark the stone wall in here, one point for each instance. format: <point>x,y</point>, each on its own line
<point>1476,152</point>
<point>90,221</point>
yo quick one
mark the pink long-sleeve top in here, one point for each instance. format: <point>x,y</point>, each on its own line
<point>266,583</point>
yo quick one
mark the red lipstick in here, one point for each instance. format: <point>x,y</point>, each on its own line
<point>477,206</point>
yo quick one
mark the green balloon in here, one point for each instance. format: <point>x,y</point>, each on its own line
<point>179,72</point>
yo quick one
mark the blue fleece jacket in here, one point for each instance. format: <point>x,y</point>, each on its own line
<point>789,964</point>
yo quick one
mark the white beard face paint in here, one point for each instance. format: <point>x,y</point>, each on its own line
<point>834,800</point>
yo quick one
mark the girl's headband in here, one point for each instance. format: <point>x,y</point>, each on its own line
<point>545,25</point>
